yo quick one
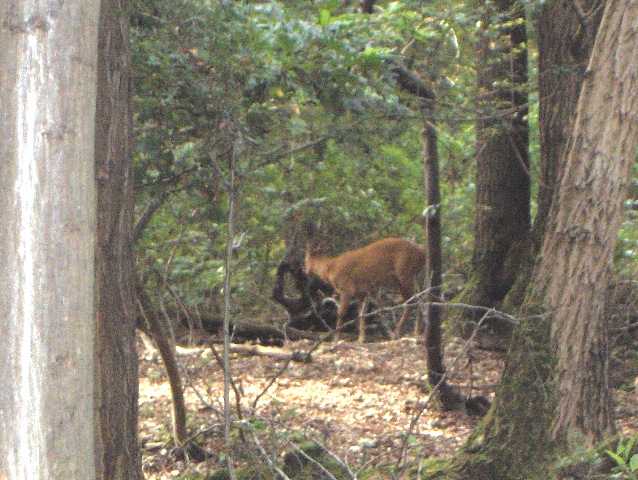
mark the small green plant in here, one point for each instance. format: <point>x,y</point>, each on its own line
<point>626,461</point>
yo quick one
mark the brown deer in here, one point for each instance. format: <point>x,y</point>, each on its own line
<point>392,263</point>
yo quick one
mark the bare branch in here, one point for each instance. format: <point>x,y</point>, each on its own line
<point>412,83</point>
<point>265,456</point>
<point>150,208</point>
<point>586,17</point>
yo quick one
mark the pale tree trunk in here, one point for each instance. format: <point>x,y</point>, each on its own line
<point>47,232</point>
<point>116,387</point>
<point>554,392</point>
<point>576,261</point>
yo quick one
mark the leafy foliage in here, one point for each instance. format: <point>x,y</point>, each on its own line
<point>294,109</point>
<point>625,458</point>
<point>301,101</point>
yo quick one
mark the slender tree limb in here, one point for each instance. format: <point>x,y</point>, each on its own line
<point>586,17</point>
<point>149,209</point>
<point>412,83</point>
<point>167,351</point>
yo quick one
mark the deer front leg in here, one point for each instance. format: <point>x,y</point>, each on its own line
<point>399,329</point>
<point>344,303</point>
<point>417,323</point>
<point>362,320</point>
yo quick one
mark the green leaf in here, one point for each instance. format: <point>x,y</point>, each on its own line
<point>633,463</point>
<point>324,17</point>
<point>373,56</point>
<point>615,457</point>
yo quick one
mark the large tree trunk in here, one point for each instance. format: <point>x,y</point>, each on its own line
<point>575,266</point>
<point>47,232</point>
<point>502,220</point>
<point>562,59</point>
<point>554,394</point>
<point>116,388</point>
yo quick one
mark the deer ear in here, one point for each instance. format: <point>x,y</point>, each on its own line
<point>316,249</point>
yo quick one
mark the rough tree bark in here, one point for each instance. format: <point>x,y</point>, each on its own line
<point>116,387</point>
<point>575,266</point>
<point>502,219</point>
<point>565,39</point>
<point>553,397</point>
<point>47,232</point>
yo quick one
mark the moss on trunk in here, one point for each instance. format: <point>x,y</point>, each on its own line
<point>500,448</point>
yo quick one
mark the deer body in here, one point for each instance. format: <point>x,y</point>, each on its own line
<point>392,263</point>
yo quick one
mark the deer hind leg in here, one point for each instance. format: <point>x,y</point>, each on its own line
<point>362,320</point>
<point>418,328</point>
<point>406,294</point>
<point>399,329</point>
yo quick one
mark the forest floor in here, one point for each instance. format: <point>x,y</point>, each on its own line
<point>363,402</point>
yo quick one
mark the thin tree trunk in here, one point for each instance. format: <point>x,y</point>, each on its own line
<point>116,387</point>
<point>232,191</point>
<point>163,338</point>
<point>434,265</point>
<point>47,232</point>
